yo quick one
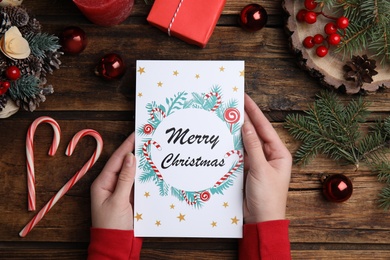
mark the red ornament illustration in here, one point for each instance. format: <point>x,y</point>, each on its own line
<point>232,116</point>
<point>148,129</point>
<point>205,195</point>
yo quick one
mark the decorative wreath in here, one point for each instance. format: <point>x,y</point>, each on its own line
<point>212,102</point>
<point>26,56</point>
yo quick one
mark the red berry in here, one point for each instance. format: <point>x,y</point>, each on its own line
<point>301,15</point>
<point>310,4</point>
<point>334,39</point>
<point>310,17</point>
<point>12,73</point>
<point>318,38</point>
<point>330,28</point>
<point>73,40</point>
<point>342,22</point>
<point>321,51</point>
<point>4,86</point>
<point>308,42</point>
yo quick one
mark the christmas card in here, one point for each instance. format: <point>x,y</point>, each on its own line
<point>189,179</point>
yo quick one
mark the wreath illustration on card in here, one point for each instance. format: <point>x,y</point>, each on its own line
<point>211,103</point>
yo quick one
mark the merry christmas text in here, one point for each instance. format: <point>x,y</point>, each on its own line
<point>183,137</point>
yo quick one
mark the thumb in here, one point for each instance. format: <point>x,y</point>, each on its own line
<point>252,143</point>
<point>126,178</point>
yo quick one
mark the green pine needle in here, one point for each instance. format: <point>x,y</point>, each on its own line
<point>41,43</point>
<point>331,128</point>
<point>25,88</point>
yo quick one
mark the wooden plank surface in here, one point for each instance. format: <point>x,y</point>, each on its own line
<point>318,230</point>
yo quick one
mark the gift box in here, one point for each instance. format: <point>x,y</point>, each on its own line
<point>192,21</point>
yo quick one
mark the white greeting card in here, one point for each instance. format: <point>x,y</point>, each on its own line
<point>189,180</point>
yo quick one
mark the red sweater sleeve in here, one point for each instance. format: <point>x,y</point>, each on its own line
<point>110,244</point>
<point>265,240</point>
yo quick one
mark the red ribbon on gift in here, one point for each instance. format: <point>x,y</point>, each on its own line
<point>174,16</point>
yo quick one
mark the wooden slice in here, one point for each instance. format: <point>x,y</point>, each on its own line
<point>329,69</point>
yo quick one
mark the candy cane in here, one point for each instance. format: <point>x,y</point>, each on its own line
<point>79,174</point>
<point>187,200</point>
<point>145,151</point>
<point>30,154</point>
<point>238,164</point>
<point>219,100</point>
<point>157,110</point>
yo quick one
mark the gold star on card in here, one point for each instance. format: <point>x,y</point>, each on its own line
<point>213,224</point>
<point>146,194</point>
<point>172,206</point>
<point>235,220</point>
<point>158,223</point>
<point>242,73</point>
<point>140,94</point>
<point>221,69</point>
<point>141,70</point>
<point>181,217</point>
<point>138,216</point>
<point>159,84</point>
<point>225,205</point>
<point>235,89</point>
<point>197,76</point>
<point>175,73</point>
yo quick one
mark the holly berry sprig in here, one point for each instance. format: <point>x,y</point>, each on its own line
<point>11,73</point>
<point>331,29</point>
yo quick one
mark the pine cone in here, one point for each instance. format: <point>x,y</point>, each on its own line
<point>5,22</point>
<point>18,16</point>
<point>3,101</point>
<point>33,26</point>
<point>30,66</point>
<point>360,69</point>
<point>51,61</point>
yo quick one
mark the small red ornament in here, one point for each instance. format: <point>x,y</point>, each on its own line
<point>73,40</point>
<point>310,4</point>
<point>330,28</point>
<point>301,15</point>
<point>337,187</point>
<point>318,38</point>
<point>110,66</point>
<point>253,17</point>
<point>12,73</point>
<point>334,39</point>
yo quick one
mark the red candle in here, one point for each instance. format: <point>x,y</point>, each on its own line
<point>105,12</point>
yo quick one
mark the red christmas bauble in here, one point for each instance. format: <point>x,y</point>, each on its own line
<point>337,188</point>
<point>110,66</point>
<point>73,40</point>
<point>253,17</point>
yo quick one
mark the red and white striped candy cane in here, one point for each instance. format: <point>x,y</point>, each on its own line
<point>30,154</point>
<point>145,151</point>
<point>187,200</point>
<point>157,110</point>
<point>79,174</point>
<point>238,164</point>
<point>219,100</point>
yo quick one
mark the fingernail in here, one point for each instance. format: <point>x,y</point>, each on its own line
<point>247,128</point>
<point>130,159</point>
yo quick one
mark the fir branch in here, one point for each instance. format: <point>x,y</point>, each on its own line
<point>24,88</point>
<point>330,128</point>
<point>40,43</point>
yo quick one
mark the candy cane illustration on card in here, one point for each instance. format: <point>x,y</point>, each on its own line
<point>78,175</point>
<point>189,150</point>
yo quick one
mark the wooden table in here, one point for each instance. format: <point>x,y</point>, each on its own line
<point>356,229</point>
